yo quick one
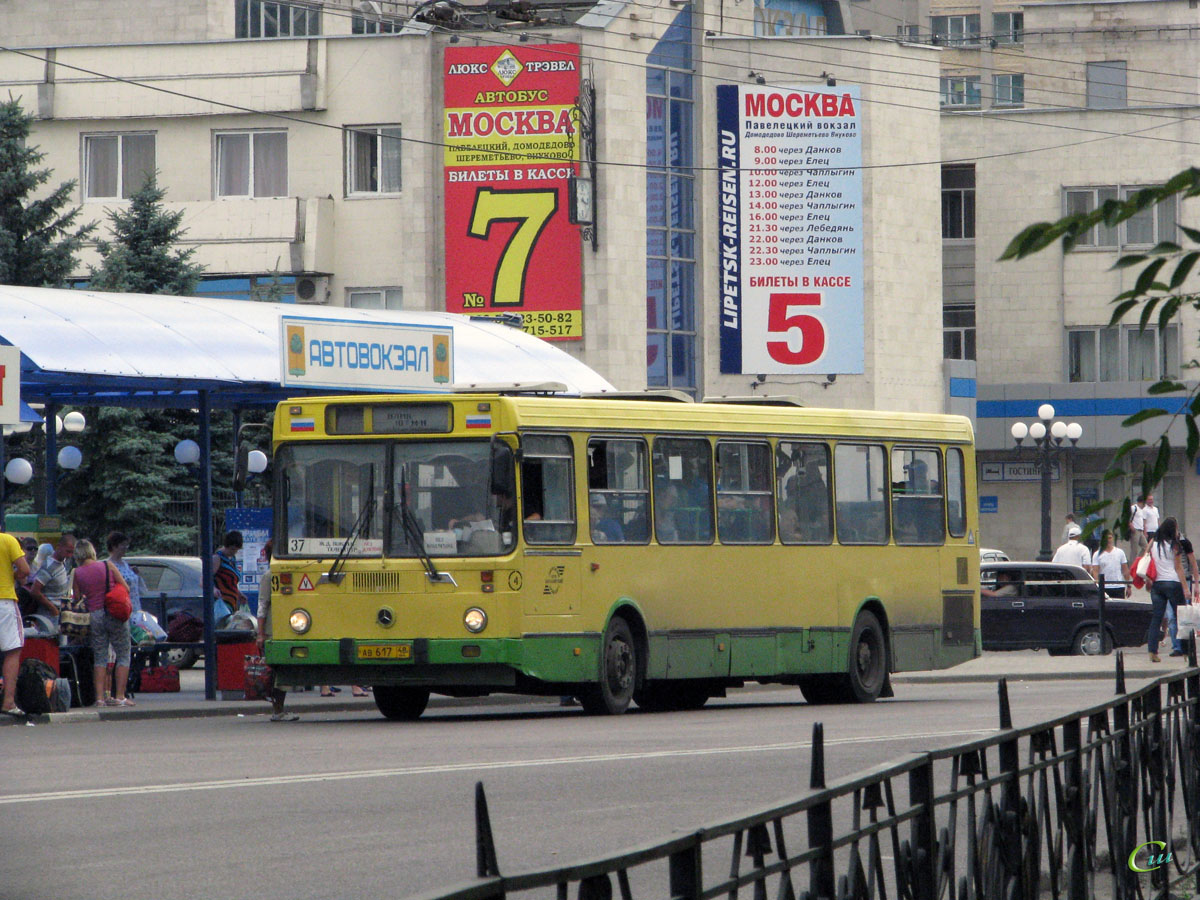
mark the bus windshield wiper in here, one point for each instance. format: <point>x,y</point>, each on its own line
<point>412,528</point>
<point>335,573</point>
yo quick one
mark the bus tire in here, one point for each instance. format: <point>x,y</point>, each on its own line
<point>400,704</point>
<point>619,669</point>
<point>867,668</point>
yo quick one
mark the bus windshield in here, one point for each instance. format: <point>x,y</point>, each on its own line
<point>460,501</point>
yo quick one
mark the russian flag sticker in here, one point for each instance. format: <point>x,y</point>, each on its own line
<point>479,421</point>
<point>304,424</point>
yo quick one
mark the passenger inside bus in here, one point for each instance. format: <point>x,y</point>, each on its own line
<point>605,527</point>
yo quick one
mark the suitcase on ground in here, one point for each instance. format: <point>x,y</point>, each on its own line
<point>159,680</point>
<point>75,664</point>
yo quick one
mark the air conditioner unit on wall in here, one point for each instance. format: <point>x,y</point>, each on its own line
<point>312,289</point>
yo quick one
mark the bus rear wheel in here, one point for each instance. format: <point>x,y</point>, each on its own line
<point>619,667</point>
<point>400,704</point>
<point>866,672</point>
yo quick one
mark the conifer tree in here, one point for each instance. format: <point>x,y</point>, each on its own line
<point>38,237</point>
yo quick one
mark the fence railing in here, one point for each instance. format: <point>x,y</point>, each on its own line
<point>1099,802</point>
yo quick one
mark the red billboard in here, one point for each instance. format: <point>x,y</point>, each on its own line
<point>512,144</point>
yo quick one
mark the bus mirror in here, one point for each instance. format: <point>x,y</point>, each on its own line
<point>241,468</point>
<point>503,471</point>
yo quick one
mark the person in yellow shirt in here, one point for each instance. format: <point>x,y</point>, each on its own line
<point>13,567</point>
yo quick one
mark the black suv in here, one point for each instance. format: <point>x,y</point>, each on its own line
<point>1055,607</point>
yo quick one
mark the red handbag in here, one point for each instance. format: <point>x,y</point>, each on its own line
<point>116,598</point>
<point>159,680</point>
<point>259,679</point>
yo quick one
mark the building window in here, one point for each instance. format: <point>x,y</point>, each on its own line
<point>367,19</point>
<point>1152,225</point>
<point>958,332</point>
<point>956,30</point>
<point>1008,27</point>
<point>908,32</point>
<point>261,18</point>
<point>116,165</point>
<point>960,90</point>
<point>373,159</point>
<point>670,211</point>
<point>958,202</point>
<point>252,164</point>
<point>1106,85</point>
<point>1123,353</point>
<point>375,298</point>
<point>1008,90</point>
<point>273,288</point>
<point>1146,228</point>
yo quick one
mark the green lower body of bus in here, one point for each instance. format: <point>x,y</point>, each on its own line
<point>545,663</point>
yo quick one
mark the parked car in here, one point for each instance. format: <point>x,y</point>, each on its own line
<point>987,556</point>
<point>174,584</point>
<point>1054,607</point>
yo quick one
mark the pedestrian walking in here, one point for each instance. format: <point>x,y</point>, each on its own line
<point>1137,528</point>
<point>1111,563</point>
<point>1167,588</point>
<point>13,568</point>
<point>92,581</point>
<point>1150,518</point>
<point>1073,552</point>
<point>278,694</point>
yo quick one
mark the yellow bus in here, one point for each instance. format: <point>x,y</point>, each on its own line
<point>617,550</point>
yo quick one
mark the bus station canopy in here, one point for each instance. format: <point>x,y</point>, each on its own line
<point>104,349</point>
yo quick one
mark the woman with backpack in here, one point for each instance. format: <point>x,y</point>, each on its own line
<point>1169,578</point>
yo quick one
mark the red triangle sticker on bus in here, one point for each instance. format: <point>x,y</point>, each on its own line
<point>305,584</point>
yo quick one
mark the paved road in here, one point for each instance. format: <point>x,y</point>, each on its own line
<point>348,805</point>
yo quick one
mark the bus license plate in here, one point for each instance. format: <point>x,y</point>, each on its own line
<point>384,651</point>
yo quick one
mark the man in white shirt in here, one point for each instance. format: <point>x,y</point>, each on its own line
<point>1072,552</point>
<point>1150,518</point>
<point>1137,528</point>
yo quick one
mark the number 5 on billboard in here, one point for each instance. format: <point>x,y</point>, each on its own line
<point>780,321</point>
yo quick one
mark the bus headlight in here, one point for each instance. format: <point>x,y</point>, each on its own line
<point>300,621</point>
<point>475,619</point>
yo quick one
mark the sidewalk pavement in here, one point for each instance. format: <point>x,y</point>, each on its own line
<point>1017,665</point>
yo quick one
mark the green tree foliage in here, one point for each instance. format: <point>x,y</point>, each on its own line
<point>1156,298</point>
<point>142,257</point>
<point>38,238</point>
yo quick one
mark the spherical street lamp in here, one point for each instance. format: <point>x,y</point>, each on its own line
<point>187,452</point>
<point>1048,435</point>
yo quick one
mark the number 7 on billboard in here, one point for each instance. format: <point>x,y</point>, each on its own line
<point>531,210</point>
<point>780,321</point>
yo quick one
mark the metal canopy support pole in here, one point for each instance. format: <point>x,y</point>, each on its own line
<point>49,426</point>
<point>237,426</point>
<point>206,548</point>
<point>1046,465</point>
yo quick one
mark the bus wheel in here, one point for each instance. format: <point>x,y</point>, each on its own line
<point>618,673</point>
<point>868,659</point>
<point>400,704</point>
<point>866,673</point>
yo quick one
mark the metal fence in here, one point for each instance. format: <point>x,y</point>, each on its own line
<point>1100,802</point>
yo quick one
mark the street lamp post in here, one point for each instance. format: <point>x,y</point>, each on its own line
<point>1048,436</point>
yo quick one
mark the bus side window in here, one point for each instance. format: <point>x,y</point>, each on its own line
<point>956,493</point>
<point>860,484</point>
<point>619,497</point>
<point>547,490</point>
<point>745,514</point>
<point>683,491</point>
<point>918,516</point>
<point>802,484</point>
